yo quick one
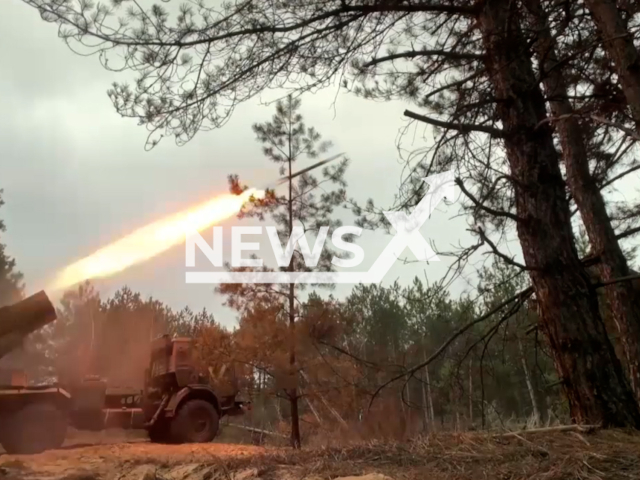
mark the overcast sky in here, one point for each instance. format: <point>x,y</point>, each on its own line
<point>76,176</point>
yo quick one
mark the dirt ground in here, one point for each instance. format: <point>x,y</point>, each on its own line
<point>607,455</point>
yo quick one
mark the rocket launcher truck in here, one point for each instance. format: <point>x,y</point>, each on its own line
<point>175,405</point>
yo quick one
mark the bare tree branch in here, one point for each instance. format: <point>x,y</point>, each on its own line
<point>424,53</point>
<point>461,127</point>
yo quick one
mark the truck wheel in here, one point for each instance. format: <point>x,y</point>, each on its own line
<point>197,421</point>
<point>35,428</point>
<point>159,432</point>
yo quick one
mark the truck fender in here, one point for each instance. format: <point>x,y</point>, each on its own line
<point>189,392</point>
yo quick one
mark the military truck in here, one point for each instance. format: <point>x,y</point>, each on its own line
<point>176,405</point>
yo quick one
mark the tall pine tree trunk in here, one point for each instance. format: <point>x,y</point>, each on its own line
<point>293,392</point>
<point>527,377</point>
<point>617,41</point>
<point>408,412</point>
<point>425,402</point>
<point>276,404</point>
<point>430,398</point>
<point>625,308</point>
<point>470,394</point>
<point>593,379</point>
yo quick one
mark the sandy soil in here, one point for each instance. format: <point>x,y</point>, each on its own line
<point>99,461</point>
<point>97,455</point>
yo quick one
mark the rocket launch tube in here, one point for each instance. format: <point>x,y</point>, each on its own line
<point>22,318</point>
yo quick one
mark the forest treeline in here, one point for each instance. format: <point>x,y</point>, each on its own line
<point>346,350</point>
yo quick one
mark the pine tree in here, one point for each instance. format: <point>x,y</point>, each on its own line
<point>306,207</point>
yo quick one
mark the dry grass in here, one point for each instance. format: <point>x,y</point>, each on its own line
<point>563,455</point>
<point>601,455</point>
<point>469,456</point>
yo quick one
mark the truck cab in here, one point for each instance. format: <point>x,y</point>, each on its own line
<point>180,403</point>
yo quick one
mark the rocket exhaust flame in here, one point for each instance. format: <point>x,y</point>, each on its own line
<point>151,240</point>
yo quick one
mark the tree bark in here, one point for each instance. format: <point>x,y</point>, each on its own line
<point>625,309</point>
<point>593,380</point>
<point>618,43</point>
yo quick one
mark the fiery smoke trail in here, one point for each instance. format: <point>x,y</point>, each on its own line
<point>151,240</point>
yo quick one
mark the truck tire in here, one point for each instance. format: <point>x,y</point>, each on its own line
<point>159,432</point>
<point>197,421</point>
<point>35,428</point>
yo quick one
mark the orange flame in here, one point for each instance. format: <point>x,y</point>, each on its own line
<point>151,240</point>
